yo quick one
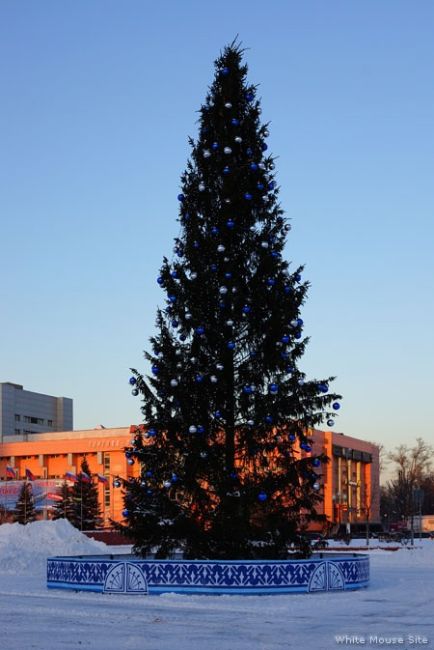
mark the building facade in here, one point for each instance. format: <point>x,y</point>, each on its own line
<point>349,484</point>
<point>24,413</point>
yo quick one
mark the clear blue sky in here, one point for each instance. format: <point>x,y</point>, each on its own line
<point>97,100</point>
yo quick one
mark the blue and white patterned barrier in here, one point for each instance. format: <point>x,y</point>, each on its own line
<point>131,575</point>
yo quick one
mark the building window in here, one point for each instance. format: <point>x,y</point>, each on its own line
<point>17,417</point>
<point>18,432</point>
<point>50,423</point>
<point>32,420</point>
<point>107,497</point>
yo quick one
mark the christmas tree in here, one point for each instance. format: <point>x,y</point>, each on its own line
<point>226,463</point>
<point>62,509</point>
<point>25,511</point>
<point>85,509</point>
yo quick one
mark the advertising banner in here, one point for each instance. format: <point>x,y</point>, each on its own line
<point>45,493</point>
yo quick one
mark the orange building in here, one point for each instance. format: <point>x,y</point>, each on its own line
<point>349,485</point>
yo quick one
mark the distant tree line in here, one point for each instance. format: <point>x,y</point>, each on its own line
<point>410,491</point>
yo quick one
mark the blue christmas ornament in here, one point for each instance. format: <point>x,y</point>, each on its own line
<point>299,322</point>
<point>233,475</point>
<point>235,121</point>
<point>214,230</point>
<point>316,462</point>
<point>174,478</point>
<point>228,275</point>
<point>224,71</point>
<point>200,429</point>
<point>248,390</point>
<point>264,146</point>
<point>181,197</point>
<point>171,298</point>
<point>248,196</point>
<point>297,335</point>
<point>198,378</point>
<point>174,274</point>
<point>149,492</point>
<point>249,152</point>
<point>134,392</point>
<point>268,419</point>
<point>253,166</point>
<point>252,354</point>
<point>297,277</point>
<point>215,146</point>
<point>273,388</point>
<point>125,513</point>
<point>285,339</point>
<point>262,496</point>
<point>260,186</point>
<point>217,414</point>
<point>291,437</point>
<point>155,370</point>
<point>175,323</point>
<point>182,337</point>
<point>200,330</point>
<point>271,282</point>
<point>250,96</point>
<point>230,223</point>
<point>330,423</point>
<point>306,447</point>
<point>213,268</point>
<point>230,345</point>
<point>247,309</point>
<point>133,381</point>
<point>287,289</point>
<point>152,432</point>
<point>160,280</point>
<point>336,406</point>
<point>148,473</point>
<point>226,170</point>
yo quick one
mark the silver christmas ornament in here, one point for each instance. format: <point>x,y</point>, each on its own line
<point>193,359</point>
<point>234,290</point>
<point>219,366</point>
<point>226,259</point>
<point>192,429</point>
<point>187,316</point>
<point>227,200</point>
<point>193,276</point>
<point>201,187</point>
<point>206,153</point>
<point>250,423</point>
<point>228,105</point>
<point>173,383</point>
<point>179,366</point>
<point>264,244</point>
<point>227,150</point>
<point>221,248</point>
<point>294,323</point>
<point>261,165</point>
<point>167,484</point>
<point>229,323</point>
<point>213,379</point>
<point>223,290</point>
<point>238,139</point>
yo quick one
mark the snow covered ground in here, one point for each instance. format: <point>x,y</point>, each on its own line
<point>399,605</point>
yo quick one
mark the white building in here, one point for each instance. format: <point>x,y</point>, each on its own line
<point>23,413</point>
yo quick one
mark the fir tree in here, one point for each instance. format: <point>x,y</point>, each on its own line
<point>63,509</point>
<point>226,468</point>
<point>85,509</point>
<point>25,511</point>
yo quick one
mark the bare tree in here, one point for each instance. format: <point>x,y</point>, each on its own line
<point>413,466</point>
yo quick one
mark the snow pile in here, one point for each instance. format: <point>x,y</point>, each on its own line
<point>24,549</point>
